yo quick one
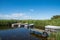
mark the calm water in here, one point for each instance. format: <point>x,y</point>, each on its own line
<point>16,34</point>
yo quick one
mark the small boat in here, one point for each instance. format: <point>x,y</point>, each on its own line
<point>39,34</point>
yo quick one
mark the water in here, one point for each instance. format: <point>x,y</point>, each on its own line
<point>16,34</point>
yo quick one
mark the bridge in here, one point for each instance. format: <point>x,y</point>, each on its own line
<point>24,25</point>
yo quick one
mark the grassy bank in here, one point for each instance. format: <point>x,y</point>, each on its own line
<point>54,36</point>
<point>38,23</point>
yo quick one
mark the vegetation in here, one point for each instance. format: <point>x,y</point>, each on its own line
<point>38,23</point>
<point>55,20</point>
<point>54,36</point>
<point>56,17</point>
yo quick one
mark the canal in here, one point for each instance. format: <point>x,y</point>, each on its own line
<point>17,34</point>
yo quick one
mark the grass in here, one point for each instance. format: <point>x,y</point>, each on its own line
<point>58,36</point>
<point>40,24</point>
<point>54,36</point>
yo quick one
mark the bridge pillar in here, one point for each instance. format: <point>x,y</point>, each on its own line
<point>19,25</point>
<point>12,25</point>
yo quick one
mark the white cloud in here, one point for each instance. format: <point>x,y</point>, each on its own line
<point>14,16</point>
<point>31,10</point>
<point>20,16</point>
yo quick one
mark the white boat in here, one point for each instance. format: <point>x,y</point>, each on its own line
<point>52,28</point>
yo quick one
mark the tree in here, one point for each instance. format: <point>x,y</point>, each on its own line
<point>56,17</point>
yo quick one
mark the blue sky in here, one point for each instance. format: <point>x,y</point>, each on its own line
<point>29,9</point>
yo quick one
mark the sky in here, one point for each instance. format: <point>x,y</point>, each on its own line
<point>29,9</point>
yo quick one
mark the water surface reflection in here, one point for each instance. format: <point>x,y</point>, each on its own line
<point>16,34</point>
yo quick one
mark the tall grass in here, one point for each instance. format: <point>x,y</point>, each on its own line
<point>37,23</point>
<point>54,36</point>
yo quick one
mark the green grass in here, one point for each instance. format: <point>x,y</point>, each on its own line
<point>56,36</point>
<point>40,24</point>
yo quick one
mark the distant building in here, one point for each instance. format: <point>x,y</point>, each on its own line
<point>25,25</point>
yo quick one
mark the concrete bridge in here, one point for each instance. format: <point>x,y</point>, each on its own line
<point>24,25</point>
